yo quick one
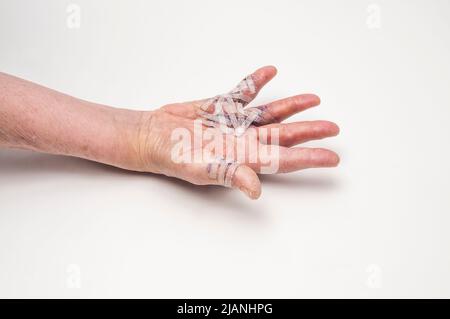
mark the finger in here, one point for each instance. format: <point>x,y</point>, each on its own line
<point>252,84</point>
<point>232,175</point>
<point>246,180</point>
<point>243,93</point>
<point>289,134</point>
<point>297,158</point>
<point>280,159</point>
<point>280,110</point>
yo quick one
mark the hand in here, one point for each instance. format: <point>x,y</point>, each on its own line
<point>214,141</point>
<point>157,129</point>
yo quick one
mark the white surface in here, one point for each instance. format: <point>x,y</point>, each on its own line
<point>378,226</point>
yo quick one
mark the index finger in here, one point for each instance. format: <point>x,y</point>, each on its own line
<point>250,86</point>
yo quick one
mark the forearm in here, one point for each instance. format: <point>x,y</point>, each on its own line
<point>37,118</point>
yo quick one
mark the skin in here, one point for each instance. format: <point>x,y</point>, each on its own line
<point>37,118</point>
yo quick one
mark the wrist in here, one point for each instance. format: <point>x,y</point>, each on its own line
<point>119,137</point>
<point>104,134</point>
<point>136,136</point>
<point>122,148</point>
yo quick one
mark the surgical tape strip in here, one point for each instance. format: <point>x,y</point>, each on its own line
<point>228,111</point>
<point>222,171</point>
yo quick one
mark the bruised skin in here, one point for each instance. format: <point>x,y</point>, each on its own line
<point>37,118</point>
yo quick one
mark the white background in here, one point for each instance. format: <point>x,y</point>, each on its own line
<point>377,226</point>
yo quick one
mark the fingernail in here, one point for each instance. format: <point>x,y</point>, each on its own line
<point>250,193</point>
<point>246,191</point>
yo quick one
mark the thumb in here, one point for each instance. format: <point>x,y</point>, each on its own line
<point>225,173</point>
<point>247,181</point>
<point>235,175</point>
